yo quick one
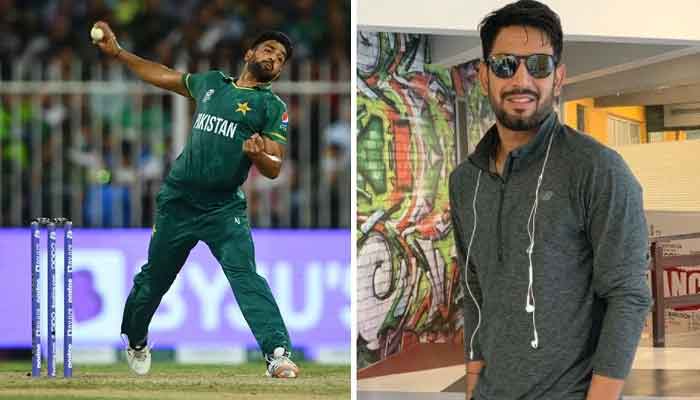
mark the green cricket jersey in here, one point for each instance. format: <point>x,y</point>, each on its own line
<point>213,166</point>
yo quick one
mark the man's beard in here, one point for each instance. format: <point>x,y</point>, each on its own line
<point>259,72</point>
<point>517,122</point>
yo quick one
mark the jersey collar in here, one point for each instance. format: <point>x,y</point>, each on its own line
<point>259,86</point>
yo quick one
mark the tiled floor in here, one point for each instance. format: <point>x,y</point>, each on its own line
<point>669,358</point>
<point>658,373</point>
<point>663,383</point>
<point>433,380</point>
<point>460,396</point>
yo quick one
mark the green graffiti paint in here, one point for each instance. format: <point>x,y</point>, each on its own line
<point>407,275</point>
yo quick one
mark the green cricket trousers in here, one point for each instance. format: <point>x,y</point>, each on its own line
<point>178,228</point>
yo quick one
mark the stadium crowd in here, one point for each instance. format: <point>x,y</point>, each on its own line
<point>117,144</point>
<point>164,30</point>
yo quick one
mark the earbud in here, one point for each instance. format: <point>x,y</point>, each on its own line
<point>536,341</point>
<point>530,300</point>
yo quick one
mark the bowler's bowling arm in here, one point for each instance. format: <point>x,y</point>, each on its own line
<point>154,73</point>
<point>149,71</point>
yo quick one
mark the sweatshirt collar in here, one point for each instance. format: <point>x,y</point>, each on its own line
<point>520,157</point>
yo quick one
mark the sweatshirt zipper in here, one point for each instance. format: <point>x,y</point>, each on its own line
<point>498,222</point>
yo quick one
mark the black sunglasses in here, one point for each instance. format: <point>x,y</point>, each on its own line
<point>538,66</point>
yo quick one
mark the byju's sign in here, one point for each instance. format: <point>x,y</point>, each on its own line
<point>308,271</point>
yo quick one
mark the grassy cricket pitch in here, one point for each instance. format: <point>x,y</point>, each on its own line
<point>175,381</point>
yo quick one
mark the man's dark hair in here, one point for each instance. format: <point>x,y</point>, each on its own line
<point>277,36</point>
<point>522,13</point>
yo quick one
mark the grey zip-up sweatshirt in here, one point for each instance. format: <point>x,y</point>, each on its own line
<point>589,262</point>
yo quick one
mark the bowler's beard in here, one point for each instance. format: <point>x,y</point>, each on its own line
<point>259,72</point>
<point>520,122</point>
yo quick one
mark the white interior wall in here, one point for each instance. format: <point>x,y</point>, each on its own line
<point>641,19</point>
<point>625,50</point>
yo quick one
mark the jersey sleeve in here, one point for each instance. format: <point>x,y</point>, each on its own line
<point>276,120</point>
<point>197,84</point>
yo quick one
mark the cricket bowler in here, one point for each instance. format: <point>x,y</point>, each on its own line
<point>238,122</point>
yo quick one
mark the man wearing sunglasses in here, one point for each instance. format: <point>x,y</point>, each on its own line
<point>550,230</point>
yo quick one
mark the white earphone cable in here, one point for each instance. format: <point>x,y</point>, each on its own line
<point>530,301</point>
<point>466,269</point>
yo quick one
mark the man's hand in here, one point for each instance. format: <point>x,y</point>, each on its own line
<point>266,154</point>
<point>108,44</point>
<point>605,388</point>
<point>254,147</point>
<point>473,369</point>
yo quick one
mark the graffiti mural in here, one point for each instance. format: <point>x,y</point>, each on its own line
<point>408,280</point>
<point>407,276</point>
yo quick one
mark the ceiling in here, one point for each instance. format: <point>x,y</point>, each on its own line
<point>614,71</point>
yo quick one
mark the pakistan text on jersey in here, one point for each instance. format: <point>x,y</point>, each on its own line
<point>213,124</point>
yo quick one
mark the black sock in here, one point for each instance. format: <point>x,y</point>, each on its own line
<point>138,345</point>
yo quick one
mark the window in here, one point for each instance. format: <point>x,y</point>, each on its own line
<point>622,132</point>
<point>692,135</point>
<point>655,137</point>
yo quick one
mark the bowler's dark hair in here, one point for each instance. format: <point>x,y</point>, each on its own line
<point>522,13</point>
<point>277,37</point>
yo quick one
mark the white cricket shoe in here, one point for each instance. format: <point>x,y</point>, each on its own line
<point>139,359</point>
<point>280,366</point>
